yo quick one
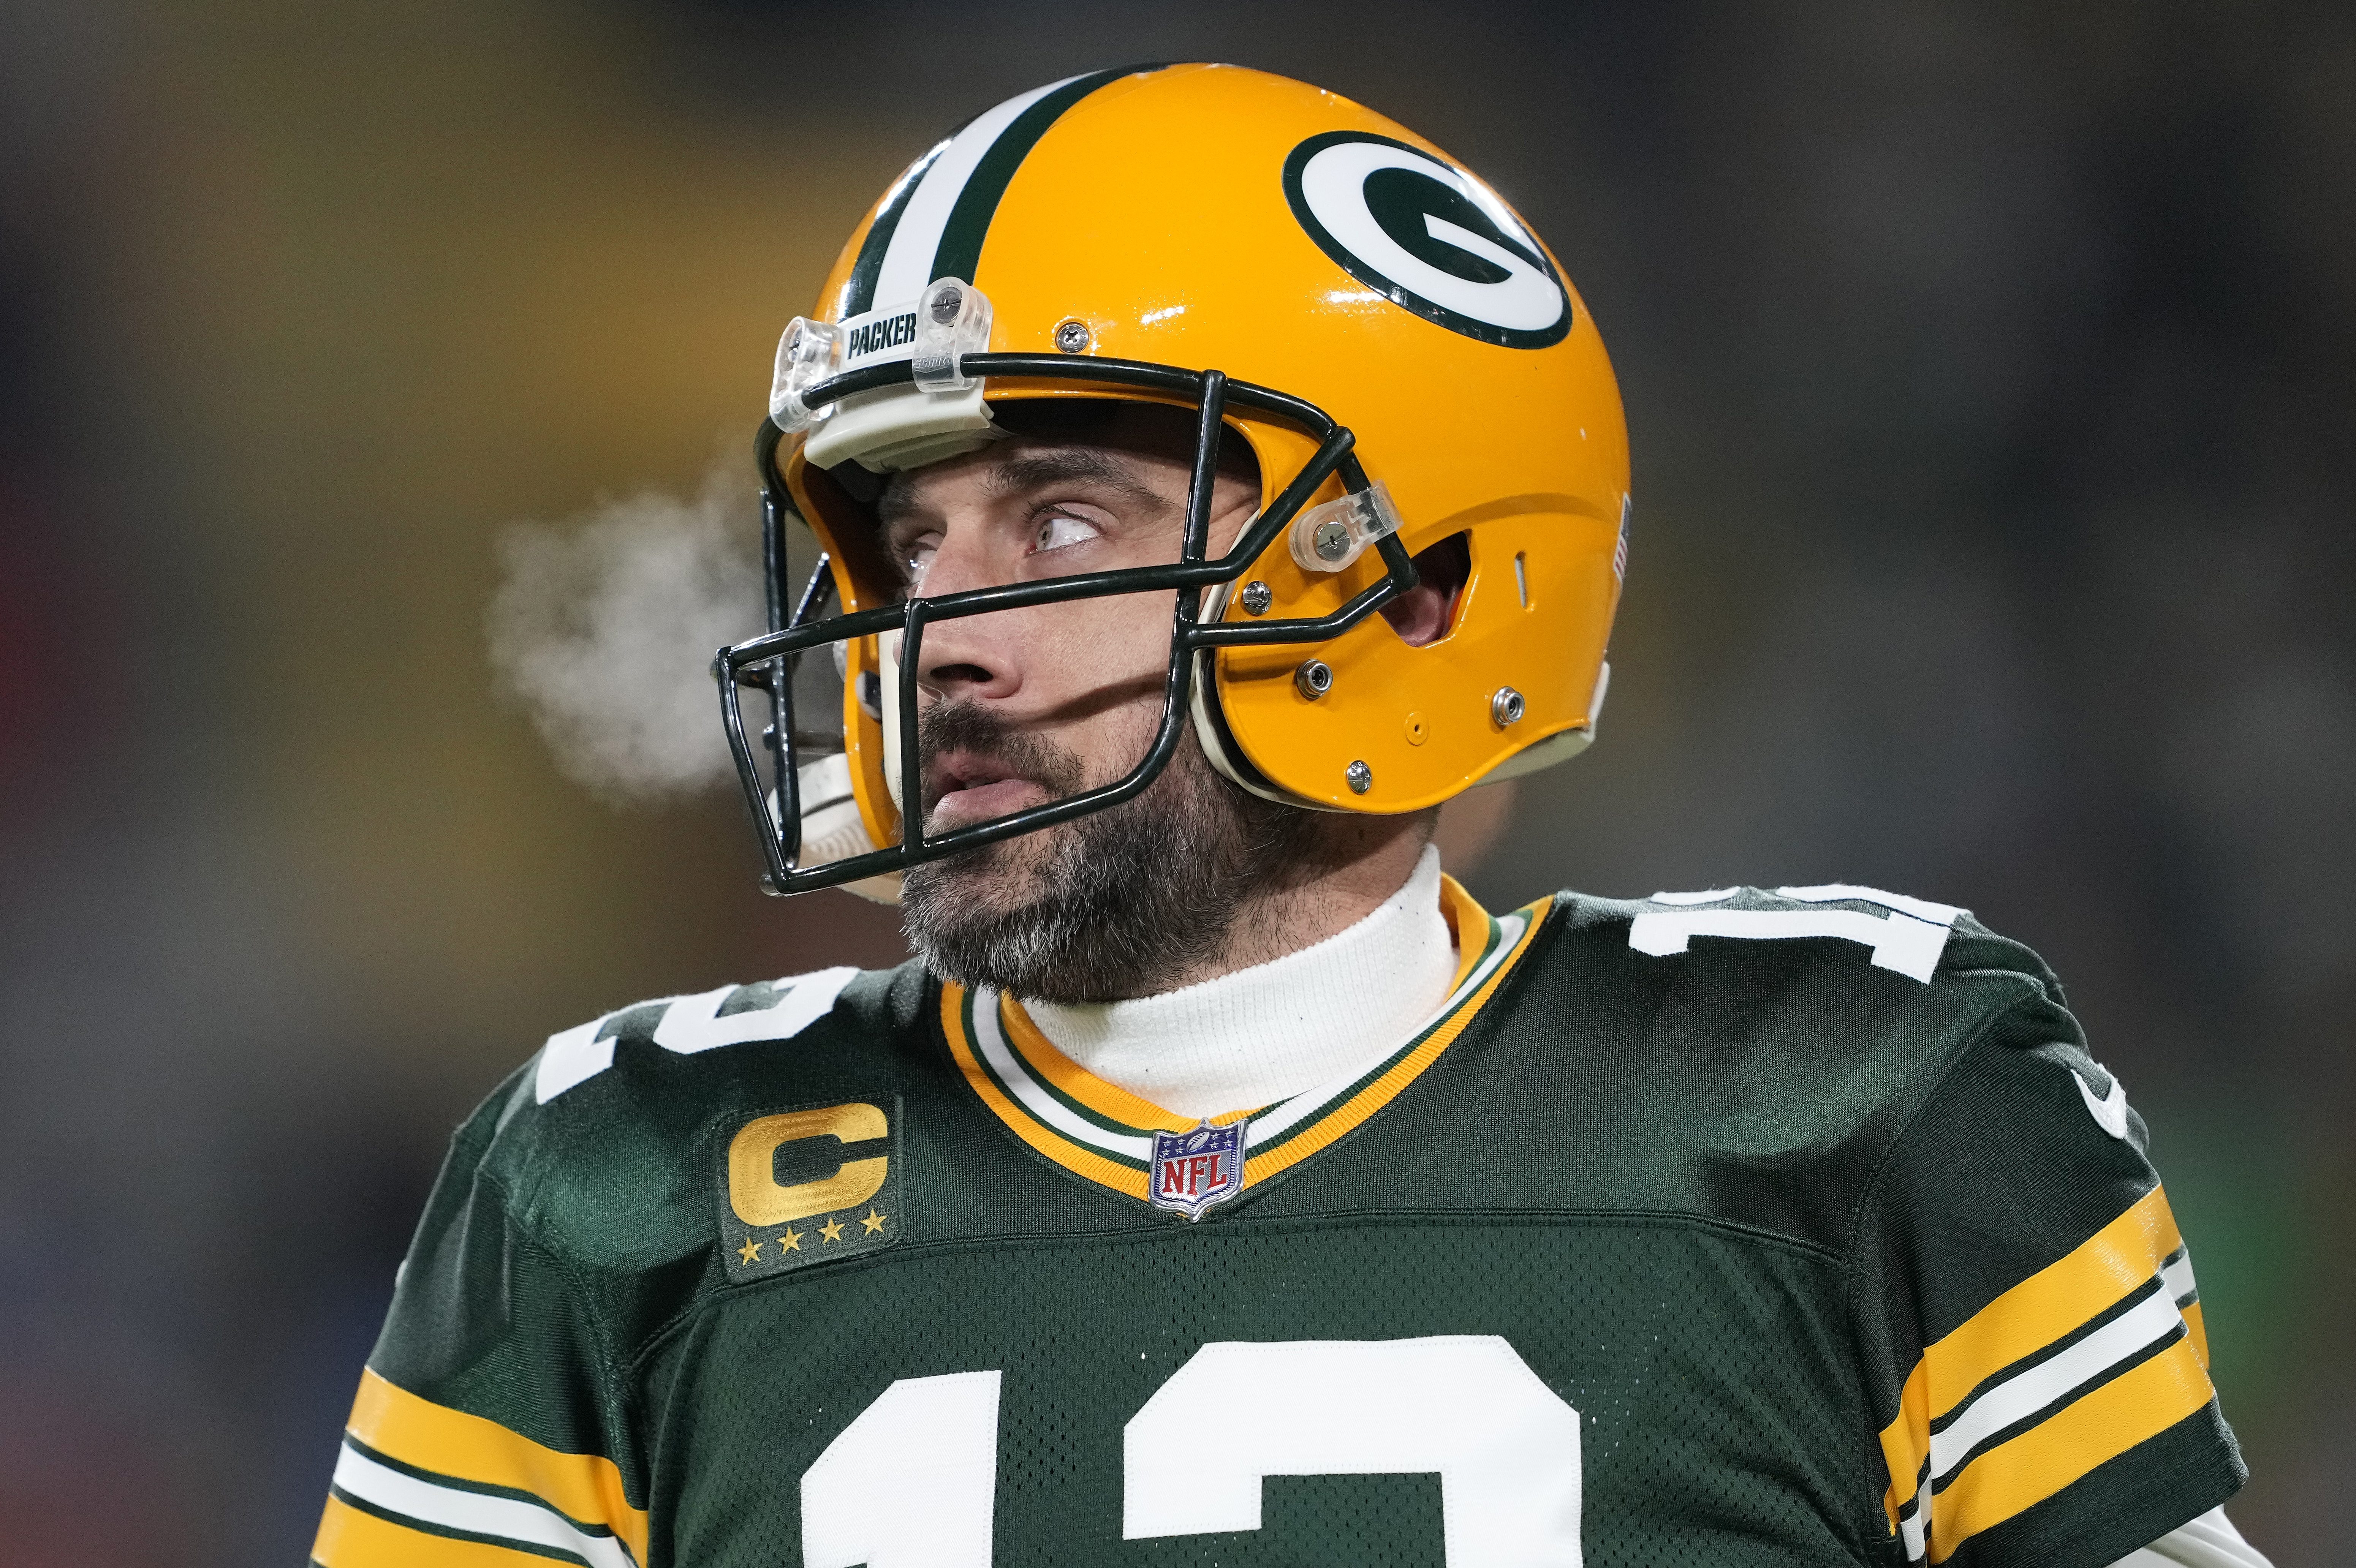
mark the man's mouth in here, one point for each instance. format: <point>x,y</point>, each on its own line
<point>967,787</point>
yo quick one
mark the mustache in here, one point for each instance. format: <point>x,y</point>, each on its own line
<point>968,728</point>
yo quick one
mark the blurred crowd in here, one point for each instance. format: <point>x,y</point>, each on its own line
<point>1988,371</point>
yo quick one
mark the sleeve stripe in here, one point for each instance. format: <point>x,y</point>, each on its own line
<point>480,1489</point>
<point>2021,1369</point>
<point>503,1522</point>
<point>469,1449</point>
<point>2153,1319</point>
<point>2138,1404</point>
<point>2051,1302</point>
<point>350,1536</point>
<point>2027,1320</point>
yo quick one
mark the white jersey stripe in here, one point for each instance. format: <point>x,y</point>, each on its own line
<point>453,1508</point>
<point>908,260</point>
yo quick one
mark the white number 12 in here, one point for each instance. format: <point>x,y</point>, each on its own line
<point>912,1482</point>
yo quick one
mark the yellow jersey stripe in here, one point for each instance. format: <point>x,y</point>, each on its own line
<point>2138,1404</point>
<point>586,1488</point>
<point>1906,1444</point>
<point>354,1537</point>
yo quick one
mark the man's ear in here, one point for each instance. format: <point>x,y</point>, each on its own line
<point>1426,612</point>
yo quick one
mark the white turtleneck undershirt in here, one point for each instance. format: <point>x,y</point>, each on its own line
<point>1266,1033</point>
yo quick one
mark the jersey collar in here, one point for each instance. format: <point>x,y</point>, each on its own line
<point>1103,1134</point>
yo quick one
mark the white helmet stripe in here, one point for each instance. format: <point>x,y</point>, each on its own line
<point>908,260</point>
<point>933,220</point>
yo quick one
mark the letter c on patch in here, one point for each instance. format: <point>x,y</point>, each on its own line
<point>753,1188</point>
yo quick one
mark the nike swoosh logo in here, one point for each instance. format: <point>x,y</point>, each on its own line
<point>2110,1114</point>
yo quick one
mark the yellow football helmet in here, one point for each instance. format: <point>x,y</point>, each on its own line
<point>1400,351</point>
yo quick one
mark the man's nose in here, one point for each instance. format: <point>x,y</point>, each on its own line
<point>973,656</point>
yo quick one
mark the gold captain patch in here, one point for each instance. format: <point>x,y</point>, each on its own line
<point>810,1185</point>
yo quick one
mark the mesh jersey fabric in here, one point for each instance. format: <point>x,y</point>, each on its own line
<point>1833,1261</point>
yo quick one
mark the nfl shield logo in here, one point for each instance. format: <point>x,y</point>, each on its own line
<point>1194,1170</point>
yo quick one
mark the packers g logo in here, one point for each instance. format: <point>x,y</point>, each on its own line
<point>1426,236</point>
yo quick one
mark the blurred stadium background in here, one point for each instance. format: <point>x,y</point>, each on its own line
<point>1989,375</point>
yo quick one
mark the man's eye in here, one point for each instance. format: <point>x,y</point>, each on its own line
<point>916,559</point>
<point>1056,530</point>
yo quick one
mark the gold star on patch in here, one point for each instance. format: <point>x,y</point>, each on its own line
<point>874,1222</point>
<point>750,1253</point>
<point>831,1230</point>
<point>791,1242</point>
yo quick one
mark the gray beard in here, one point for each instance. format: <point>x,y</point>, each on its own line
<point>1116,904</point>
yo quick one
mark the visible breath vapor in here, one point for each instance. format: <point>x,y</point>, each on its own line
<point>604,629</point>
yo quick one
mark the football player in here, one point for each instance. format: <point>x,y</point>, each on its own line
<point>1213,477</point>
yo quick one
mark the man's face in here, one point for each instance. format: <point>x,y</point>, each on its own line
<point>1020,708</point>
<point>1081,680</point>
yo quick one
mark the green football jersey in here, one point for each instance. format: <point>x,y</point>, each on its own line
<point>1731,1228</point>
